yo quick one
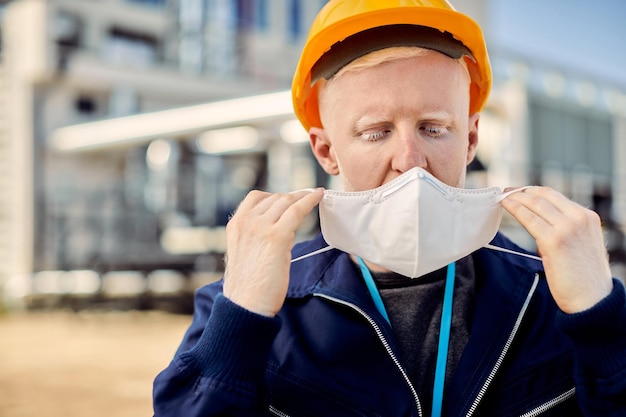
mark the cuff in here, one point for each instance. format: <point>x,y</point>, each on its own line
<point>236,342</point>
<point>598,335</point>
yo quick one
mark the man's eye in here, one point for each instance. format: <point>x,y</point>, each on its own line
<point>373,136</point>
<point>434,131</point>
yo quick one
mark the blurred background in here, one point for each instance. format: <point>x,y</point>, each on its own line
<point>131,129</point>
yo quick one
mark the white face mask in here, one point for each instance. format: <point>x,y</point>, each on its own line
<point>414,224</point>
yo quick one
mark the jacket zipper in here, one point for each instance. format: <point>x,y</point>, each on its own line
<point>277,413</point>
<point>385,343</point>
<point>507,345</point>
<point>490,377</point>
<point>552,403</point>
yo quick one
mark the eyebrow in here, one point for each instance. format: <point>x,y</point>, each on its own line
<point>437,116</point>
<point>366,121</point>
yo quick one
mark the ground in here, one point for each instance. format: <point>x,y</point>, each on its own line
<point>92,364</point>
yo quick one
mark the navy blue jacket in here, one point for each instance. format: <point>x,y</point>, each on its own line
<point>330,353</point>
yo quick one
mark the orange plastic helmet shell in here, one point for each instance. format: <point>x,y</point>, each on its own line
<point>340,19</point>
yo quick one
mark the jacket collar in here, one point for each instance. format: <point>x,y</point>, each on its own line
<point>332,273</point>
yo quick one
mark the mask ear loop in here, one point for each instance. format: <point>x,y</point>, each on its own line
<point>498,248</point>
<point>508,193</point>
<point>526,255</point>
<point>315,252</point>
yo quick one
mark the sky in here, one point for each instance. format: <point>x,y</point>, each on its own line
<point>585,34</point>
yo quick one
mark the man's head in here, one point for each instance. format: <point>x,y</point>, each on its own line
<point>392,110</point>
<point>386,85</point>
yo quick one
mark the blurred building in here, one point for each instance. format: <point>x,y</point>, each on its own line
<point>131,129</point>
<point>107,209</point>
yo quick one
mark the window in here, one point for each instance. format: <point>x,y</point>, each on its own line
<point>67,34</point>
<point>295,23</point>
<point>261,15</point>
<point>153,3</point>
<point>131,48</point>
<point>67,29</point>
<point>252,14</point>
<point>245,14</point>
<point>85,105</point>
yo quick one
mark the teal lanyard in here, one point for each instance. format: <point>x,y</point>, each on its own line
<point>371,286</point>
<point>444,329</point>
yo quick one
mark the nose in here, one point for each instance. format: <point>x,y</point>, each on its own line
<point>408,152</point>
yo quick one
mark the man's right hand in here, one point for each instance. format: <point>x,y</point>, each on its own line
<point>259,239</point>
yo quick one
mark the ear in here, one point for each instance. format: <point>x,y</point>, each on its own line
<point>472,137</point>
<point>322,149</point>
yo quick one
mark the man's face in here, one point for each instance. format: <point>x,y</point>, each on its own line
<point>382,121</point>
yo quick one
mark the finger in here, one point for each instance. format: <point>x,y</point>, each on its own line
<point>265,205</point>
<point>533,223</point>
<point>276,205</point>
<point>510,190</point>
<point>556,198</point>
<point>545,202</point>
<point>531,209</point>
<point>295,214</point>
<point>272,207</point>
<point>253,199</point>
<point>553,220</point>
<point>570,209</point>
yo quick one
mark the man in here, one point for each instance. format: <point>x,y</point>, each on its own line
<point>390,92</point>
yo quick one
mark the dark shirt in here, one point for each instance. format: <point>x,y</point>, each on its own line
<point>414,308</point>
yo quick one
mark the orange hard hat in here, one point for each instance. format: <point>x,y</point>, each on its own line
<point>346,29</point>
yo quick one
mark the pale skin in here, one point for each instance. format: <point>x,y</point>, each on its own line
<point>378,123</point>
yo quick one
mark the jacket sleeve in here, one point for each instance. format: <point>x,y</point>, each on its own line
<point>219,368</point>
<point>598,337</point>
